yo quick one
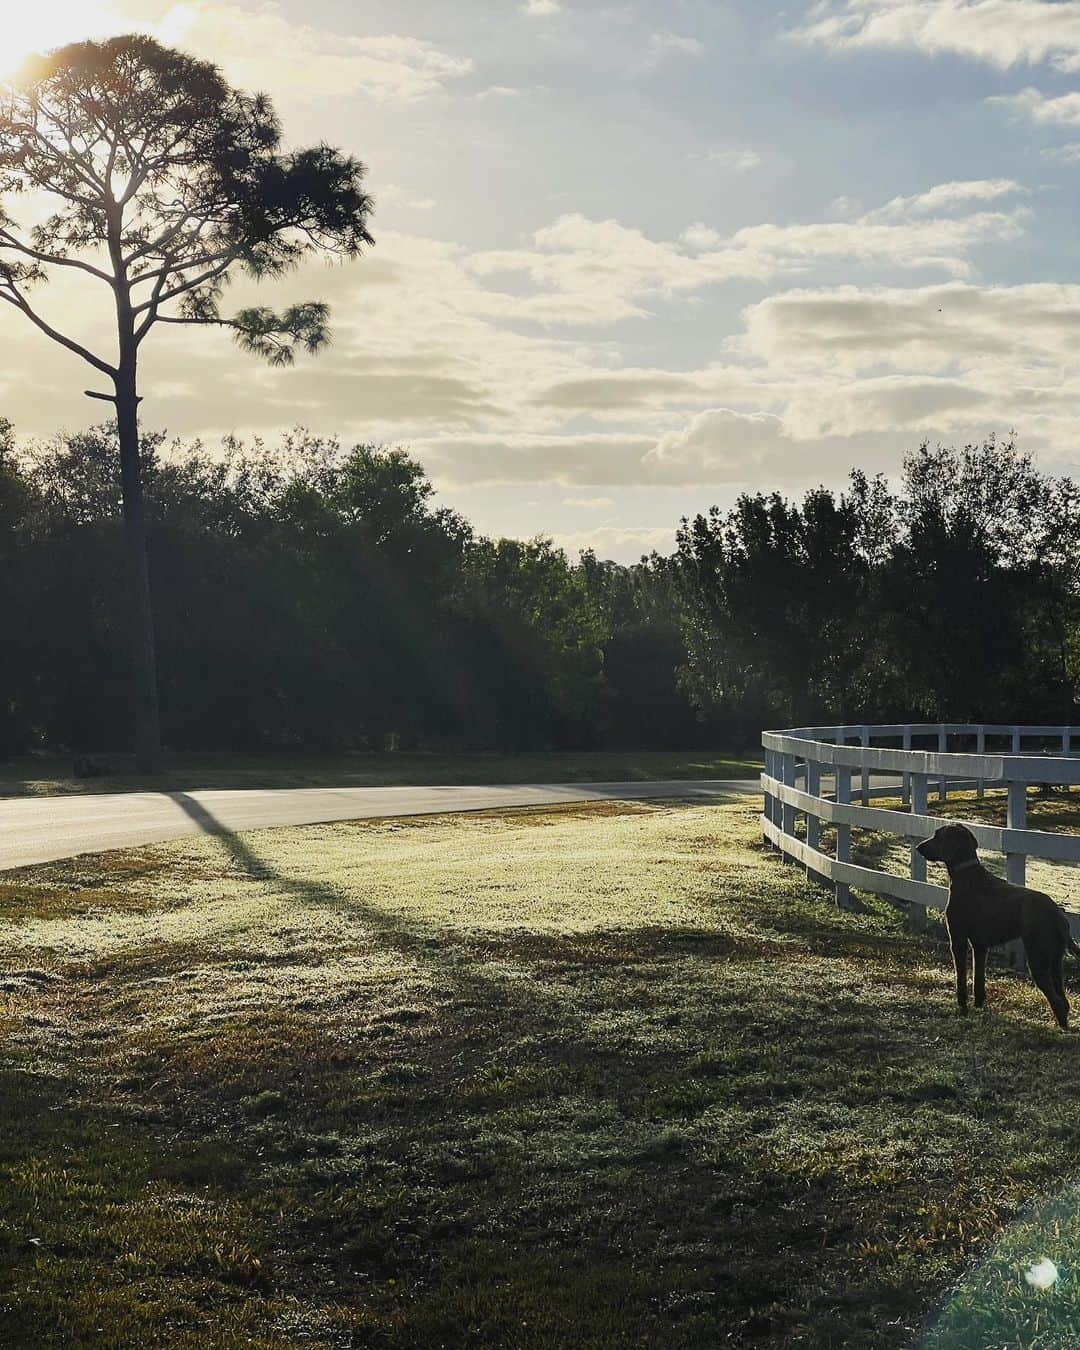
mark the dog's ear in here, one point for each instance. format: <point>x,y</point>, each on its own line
<point>957,843</point>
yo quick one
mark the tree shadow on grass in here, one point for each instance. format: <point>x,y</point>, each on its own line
<point>424,947</point>
<point>796,930</point>
<point>676,1137</point>
<point>475,964</point>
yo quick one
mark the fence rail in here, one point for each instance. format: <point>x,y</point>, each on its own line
<point>809,772</point>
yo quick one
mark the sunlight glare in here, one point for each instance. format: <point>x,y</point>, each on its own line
<point>36,28</point>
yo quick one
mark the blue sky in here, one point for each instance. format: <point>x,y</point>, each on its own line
<point>634,258</point>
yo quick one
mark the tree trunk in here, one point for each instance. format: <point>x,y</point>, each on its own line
<point>144,662</point>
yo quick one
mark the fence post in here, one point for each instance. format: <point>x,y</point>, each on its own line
<point>1016,863</point>
<point>778,774</point>
<point>918,808</point>
<point>980,746</point>
<point>919,789</point>
<point>1066,748</point>
<point>772,802</point>
<point>864,737</point>
<point>942,745</point>
<point>1016,740</point>
<point>787,777</point>
<point>1016,819</point>
<point>905,779</point>
<point>813,822</point>
<point>843,835</point>
<point>813,788</point>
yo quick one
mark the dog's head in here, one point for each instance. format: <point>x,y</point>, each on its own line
<point>949,844</point>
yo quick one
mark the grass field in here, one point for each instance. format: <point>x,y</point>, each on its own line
<point>602,1076</point>
<point>50,775</point>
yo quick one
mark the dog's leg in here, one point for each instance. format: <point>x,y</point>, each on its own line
<point>1057,974</point>
<point>1042,972</point>
<point>959,956</point>
<point>980,975</point>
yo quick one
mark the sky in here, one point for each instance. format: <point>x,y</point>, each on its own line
<point>634,258</point>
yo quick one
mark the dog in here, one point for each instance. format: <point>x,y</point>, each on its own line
<point>983,910</point>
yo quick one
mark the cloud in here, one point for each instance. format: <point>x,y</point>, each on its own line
<point>541,8</point>
<point>953,361</point>
<point>717,447</point>
<point>388,394</point>
<point>739,161</point>
<point>590,503</point>
<point>1002,33</point>
<point>426,353</point>
<point>853,408</point>
<point>843,207</point>
<point>944,197</point>
<point>721,445</point>
<point>595,270</point>
<point>699,237</point>
<point>393,195</point>
<point>260,48</point>
<point>620,391</point>
<point>624,544</point>
<point>414,348</point>
<point>1030,103</point>
<point>1063,154</point>
<point>488,460</point>
<point>942,243</point>
<point>601,271</point>
<point>626,394</point>
<point>674,44</point>
<point>928,328</point>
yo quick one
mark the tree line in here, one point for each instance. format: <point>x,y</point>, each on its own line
<point>311,596</point>
<point>954,596</point>
<point>308,596</point>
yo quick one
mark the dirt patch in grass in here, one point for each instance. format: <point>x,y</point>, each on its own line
<point>129,881</point>
<point>595,1076</point>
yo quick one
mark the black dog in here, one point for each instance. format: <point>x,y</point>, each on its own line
<point>983,910</point>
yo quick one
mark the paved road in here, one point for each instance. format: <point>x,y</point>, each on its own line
<point>42,829</point>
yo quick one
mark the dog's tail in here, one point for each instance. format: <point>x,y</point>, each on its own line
<point>1072,946</point>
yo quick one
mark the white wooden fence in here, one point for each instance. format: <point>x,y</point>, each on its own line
<point>809,772</point>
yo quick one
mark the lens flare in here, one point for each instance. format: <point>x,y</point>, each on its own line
<point>1042,1275</point>
<point>1023,1291</point>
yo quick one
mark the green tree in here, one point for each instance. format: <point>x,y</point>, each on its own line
<point>537,644</point>
<point>168,182</point>
<point>644,651</point>
<point>772,592</point>
<point>16,506</point>
<point>977,593</point>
